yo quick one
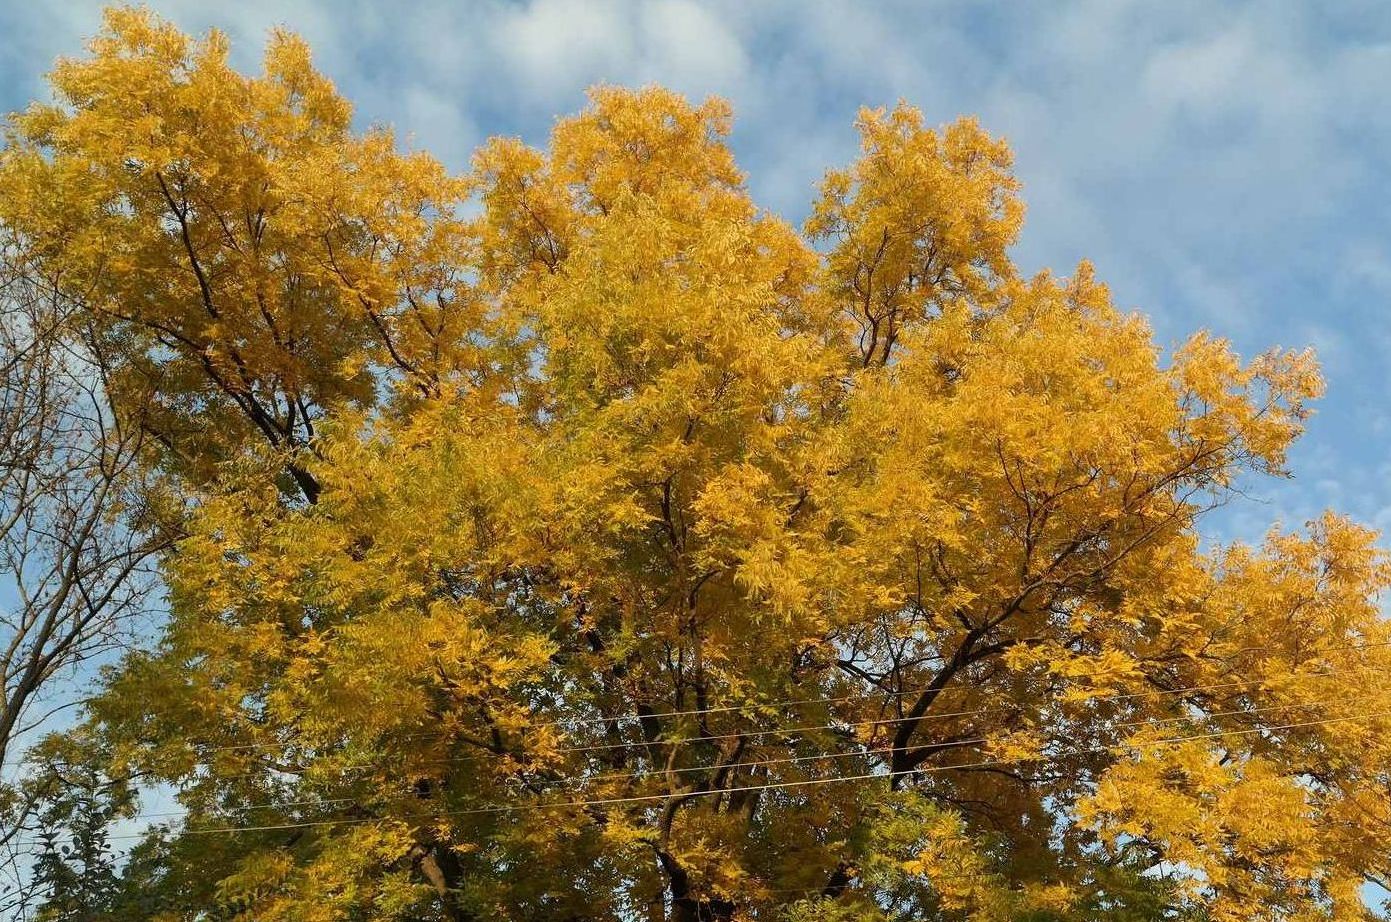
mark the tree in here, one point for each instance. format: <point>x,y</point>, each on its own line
<point>301,247</point>
<point>619,553</point>
<point>75,868</point>
<point>75,553</point>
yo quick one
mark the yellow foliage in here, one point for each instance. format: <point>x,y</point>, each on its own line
<point>573,537</point>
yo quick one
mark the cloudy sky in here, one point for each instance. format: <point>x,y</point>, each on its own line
<point>1226,166</point>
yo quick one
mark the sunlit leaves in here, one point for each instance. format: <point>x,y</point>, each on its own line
<point>654,557</point>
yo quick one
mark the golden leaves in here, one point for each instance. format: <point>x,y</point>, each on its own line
<point>251,264</point>
<point>606,531</point>
<point>921,218</point>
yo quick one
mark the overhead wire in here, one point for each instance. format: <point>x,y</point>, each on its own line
<point>811,757</point>
<point>844,725</point>
<point>769,786</point>
<point>1153,692</point>
<point>755,706</point>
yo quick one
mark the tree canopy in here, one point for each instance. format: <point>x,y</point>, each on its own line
<point>575,539</point>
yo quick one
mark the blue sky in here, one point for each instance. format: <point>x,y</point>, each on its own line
<point>1226,166</point>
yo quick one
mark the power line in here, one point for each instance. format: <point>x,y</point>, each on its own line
<point>926,717</point>
<point>751,705</point>
<point>641,775</point>
<point>813,757</point>
<point>781,785</point>
<point>1183,690</point>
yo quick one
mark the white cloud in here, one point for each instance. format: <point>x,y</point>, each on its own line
<point>688,45</point>
<point>552,46</point>
<point>432,120</point>
<point>1225,166</point>
<point>1202,75</point>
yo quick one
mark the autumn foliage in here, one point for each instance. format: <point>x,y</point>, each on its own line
<point>573,539</point>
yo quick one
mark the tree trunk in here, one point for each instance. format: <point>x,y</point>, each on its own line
<point>688,908</point>
<point>441,869</point>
